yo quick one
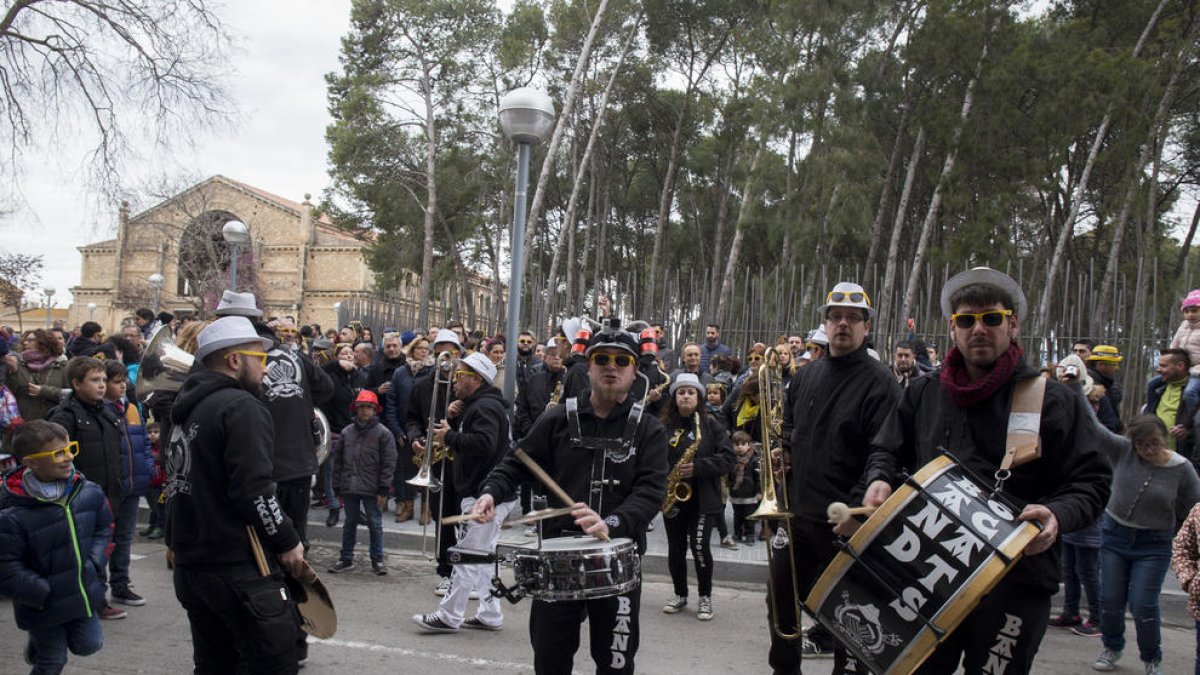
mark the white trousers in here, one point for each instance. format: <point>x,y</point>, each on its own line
<point>475,536</point>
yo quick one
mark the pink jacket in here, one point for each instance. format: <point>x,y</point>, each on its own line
<point>1185,558</point>
<point>1187,336</point>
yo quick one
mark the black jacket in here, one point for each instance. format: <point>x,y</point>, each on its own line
<point>479,437</point>
<point>346,385</point>
<point>1072,478</point>
<point>534,396</point>
<point>640,480</point>
<point>577,377</point>
<point>419,402</point>
<point>714,458</point>
<point>1112,392</point>
<point>366,463</point>
<point>219,475</point>
<point>292,386</point>
<point>98,431</point>
<point>838,405</point>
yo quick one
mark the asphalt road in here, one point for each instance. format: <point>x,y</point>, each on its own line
<point>376,634</point>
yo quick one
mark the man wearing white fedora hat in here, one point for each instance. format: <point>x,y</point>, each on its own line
<point>219,482</point>
<point>1061,480</point>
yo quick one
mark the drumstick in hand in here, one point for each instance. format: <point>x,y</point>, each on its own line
<point>548,482</point>
<point>454,520</point>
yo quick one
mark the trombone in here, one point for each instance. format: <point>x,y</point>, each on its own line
<point>443,380</point>
<point>774,505</point>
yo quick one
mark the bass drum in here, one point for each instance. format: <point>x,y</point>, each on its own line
<point>918,566</point>
<point>578,568</point>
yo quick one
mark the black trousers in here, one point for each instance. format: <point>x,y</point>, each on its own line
<point>690,529</point>
<point>1002,635</point>
<point>442,504</point>
<point>813,543</point>
<point>293,496</point>
<point>239,619</point>
<point>612,629</point>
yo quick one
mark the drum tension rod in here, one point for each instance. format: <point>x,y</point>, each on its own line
<point>848,550</point>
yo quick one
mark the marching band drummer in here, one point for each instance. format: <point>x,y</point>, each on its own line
<point>600,438</point>
<point>965,410</point>
<point>697,462</point>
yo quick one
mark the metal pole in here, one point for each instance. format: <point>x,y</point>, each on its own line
<point>157,290</point>
<point>233,269</point>
<point>515,274</point>
<point>47,312</point>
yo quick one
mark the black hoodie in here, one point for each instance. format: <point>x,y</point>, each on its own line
<point>292,386</point>
<point>479,438</point>
<point>219,474</point>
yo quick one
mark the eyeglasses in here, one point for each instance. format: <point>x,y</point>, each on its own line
<point>990,319</point>
<point>602,360</point>
<point>848,318</point>
<point>60,455</point>
<point>524,342</point>
<point>756,357</point>
<point>246,352</point>
<point>855,297</point>
<point>465,373</point>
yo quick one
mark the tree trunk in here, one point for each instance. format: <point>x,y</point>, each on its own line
<point>889,273</point>
<point>884,193</point>
<point>726,187</point>
<point>572,203</point>
<point>1187,242</point>
<point>1156,126</point>
<point>431,147</point>
<point>935,203</point>
<point>735,248</point>
<point>587,240</point>
<point>539,195</point>
<point>1068,226</point>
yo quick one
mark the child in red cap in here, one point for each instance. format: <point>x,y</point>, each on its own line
<point>362,476</point>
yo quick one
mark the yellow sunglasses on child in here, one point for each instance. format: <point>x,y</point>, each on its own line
<point>60,455</point>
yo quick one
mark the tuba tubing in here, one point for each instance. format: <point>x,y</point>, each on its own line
<point>164,365</point>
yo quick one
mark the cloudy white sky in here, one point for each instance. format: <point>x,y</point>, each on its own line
<point>283,49</point>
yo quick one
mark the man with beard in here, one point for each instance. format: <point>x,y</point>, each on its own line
<point>836,405</point>
<point>602,449</point>
<point>219,483</point>
<point>478,438</point>
<point>525,361</point>
<point>712,346</point>
<point>665,353</point>
<point>1063,484</point>
<point>542,391</point>
<point>904,363</point>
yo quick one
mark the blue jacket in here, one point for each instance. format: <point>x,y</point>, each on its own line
<point>137,457</point>
<point>51,567</point>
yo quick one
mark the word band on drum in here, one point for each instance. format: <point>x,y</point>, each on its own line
<point>918,567</point>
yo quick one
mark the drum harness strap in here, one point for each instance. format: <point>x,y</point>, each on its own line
<point>1023,443</point>
<point>603,449</point>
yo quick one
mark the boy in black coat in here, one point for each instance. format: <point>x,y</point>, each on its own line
<point>57,589</point>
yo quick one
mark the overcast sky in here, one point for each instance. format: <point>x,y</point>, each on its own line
<point>282,52</point>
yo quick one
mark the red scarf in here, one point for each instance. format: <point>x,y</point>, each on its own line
<point>962,391</point>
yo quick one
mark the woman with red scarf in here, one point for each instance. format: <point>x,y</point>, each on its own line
<point>37,375</point>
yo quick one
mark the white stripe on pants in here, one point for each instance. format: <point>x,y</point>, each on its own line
<point>475,536</point>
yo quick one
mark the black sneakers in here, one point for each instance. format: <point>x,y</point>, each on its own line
<point>433,623</point>
<point>475,624</point>
<point>341,566</point>
<point>378,567</point>
<point>126,596</point>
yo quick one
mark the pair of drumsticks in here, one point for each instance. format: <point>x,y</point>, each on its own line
<point>534,516</point>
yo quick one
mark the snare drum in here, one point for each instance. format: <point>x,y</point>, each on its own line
<point>578,568</point>
<point>918,566</point>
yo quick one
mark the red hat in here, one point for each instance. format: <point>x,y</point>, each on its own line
<point>365,397</point>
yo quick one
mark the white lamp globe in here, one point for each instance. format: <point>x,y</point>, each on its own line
<point>235,232</point>
<point>526,115</point>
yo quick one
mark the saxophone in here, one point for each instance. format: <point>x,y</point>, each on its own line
<point>678,489</point>
<point>554,397</point>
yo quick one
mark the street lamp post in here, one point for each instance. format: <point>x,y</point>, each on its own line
<point>526,118</point>
<point>156,282</point>
<point>91,310</point>
<point>49,293</point>
<point>235,233</point>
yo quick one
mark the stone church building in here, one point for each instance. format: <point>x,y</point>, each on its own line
<point>295,264</point>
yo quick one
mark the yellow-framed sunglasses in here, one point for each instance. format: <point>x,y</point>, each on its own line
<point>991,319</point>
<point>460,373</point>
<point>247,352</point>
<point>59,455</point>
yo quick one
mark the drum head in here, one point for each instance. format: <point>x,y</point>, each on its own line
<point>585,542</point>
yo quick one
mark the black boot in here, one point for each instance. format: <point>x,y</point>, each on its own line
<point>333,517</point>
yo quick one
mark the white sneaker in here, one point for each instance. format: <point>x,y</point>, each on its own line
<point>705,611</point>
<point>675,604</point>
<point>729,543</point>
<point>1107,660</point>
<point>1153,667</point>
<point>442,588</point>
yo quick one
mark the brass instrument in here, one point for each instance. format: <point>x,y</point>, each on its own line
<point>322,438</point>
<point>556,395</point>
<point>678,489</point>
<point>164,366</point>
<point>443,380</point>
<point>774,504</point>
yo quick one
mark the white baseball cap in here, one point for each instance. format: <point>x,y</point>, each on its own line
<point>481,365</point>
